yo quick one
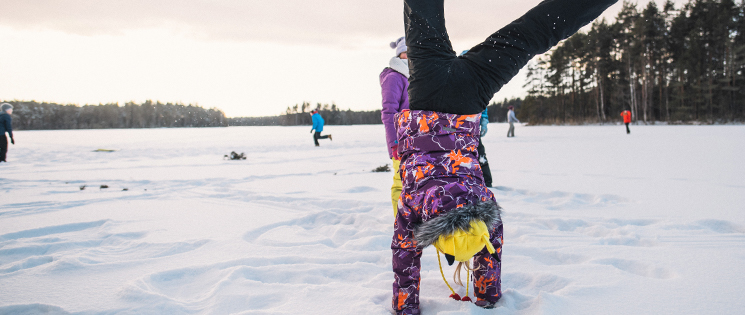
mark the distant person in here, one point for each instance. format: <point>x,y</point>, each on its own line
<point>483,162</point>
<point>444,200</point>
<point>394,82</point>
<point>626,114</point>
<point>511,119</point>
<point>482,150</point>
<point>318,127</point>
<point>6,125</point>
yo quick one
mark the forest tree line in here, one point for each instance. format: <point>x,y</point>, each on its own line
<point>299,115</point>
<point>30,115</point>
<point>663,64</point>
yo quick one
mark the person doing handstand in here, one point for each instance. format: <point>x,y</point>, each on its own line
<point>444,200</point>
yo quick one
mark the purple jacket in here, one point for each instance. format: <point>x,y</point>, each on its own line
<point>443,188</point>
<point>395,99</point>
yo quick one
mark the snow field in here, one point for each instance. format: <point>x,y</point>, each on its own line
<point>596,222</point>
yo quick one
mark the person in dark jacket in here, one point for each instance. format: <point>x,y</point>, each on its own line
<point>445,202</point>
<point>318,127</point>
<point>483,161</point>
<point>6,125</point>
<point>393,85</point>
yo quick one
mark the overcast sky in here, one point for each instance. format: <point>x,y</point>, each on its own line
<point>248,58</point>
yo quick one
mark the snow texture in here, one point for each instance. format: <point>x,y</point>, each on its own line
<point>595,222</point>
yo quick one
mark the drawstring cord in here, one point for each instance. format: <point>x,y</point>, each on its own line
<point>455,296</point>
<point>468,285</point>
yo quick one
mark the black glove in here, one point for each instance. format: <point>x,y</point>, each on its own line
<point>311,131</point>
<point>12,141</point>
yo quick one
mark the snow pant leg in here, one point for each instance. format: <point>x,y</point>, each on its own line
<point>406,265</point>
<point>496,60</point>
<point>3,147</point>
<point>627,128</point>
<point>442,82</point>
<point>430,53</point>
<point>511,131</point>
<point>487,279</point>
<point>484,162</point>
<point>397,186</point>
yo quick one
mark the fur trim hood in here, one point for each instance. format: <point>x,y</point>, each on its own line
<point>459,218</point>
<point>400,65</point>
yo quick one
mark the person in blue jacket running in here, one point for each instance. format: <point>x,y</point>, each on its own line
<point>318,127</point>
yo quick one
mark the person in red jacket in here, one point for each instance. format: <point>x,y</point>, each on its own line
<point>626,119</point>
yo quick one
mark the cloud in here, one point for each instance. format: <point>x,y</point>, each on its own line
<point>322,22</point>
<point>282,21</point>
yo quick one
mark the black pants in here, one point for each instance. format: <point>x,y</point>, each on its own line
<point>627,128</point>
<point>317,135</point>
<point>3,147</point>
<point>440,81</point>
<point>484,164</point>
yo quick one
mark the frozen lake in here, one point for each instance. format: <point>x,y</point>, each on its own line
<point>596,222</point>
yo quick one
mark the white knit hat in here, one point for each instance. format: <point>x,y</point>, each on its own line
<point>399,45</point>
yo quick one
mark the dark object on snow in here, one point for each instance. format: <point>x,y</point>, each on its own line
<point>125,189</point>
<point>381,169</point>
<point>234,156</point>
<point>104,186</point>
<point>82,187</point>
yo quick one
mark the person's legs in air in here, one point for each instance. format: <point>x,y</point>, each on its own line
<point>440,81</point>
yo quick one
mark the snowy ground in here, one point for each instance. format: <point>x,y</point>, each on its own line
<point>596,222</point>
